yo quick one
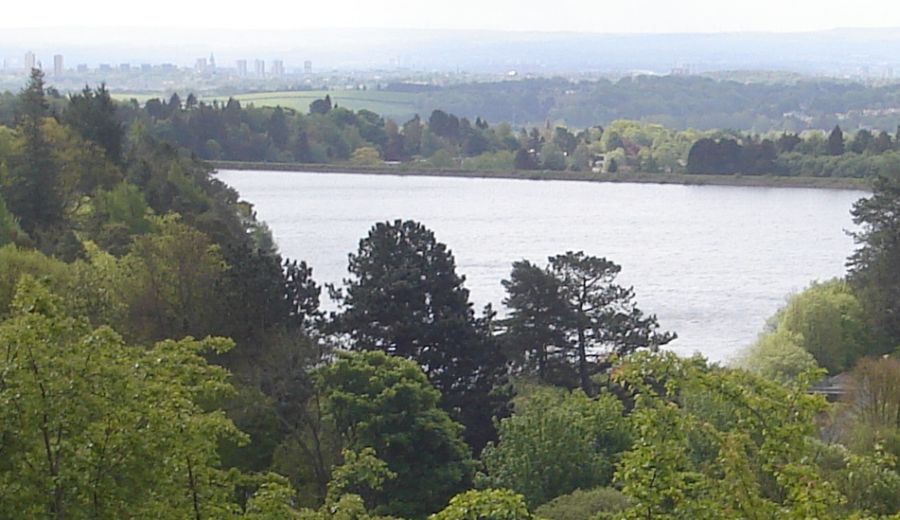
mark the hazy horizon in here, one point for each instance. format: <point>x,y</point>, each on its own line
<point>638,16</point>
<point>833,51</point>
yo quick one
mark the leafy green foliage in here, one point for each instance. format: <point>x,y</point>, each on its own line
<point>10,231</point>
<point>119,214</point>
<point>870,482</point>
<point>488,504</point>
<point>361,474</point>
<point>170,282</point>
<point>593,504</point>
<point>386,403</point>
<point>829,322</point>
<point>16,262</point>
<point>740,447</point>
<point>91,427</point>
<point>557,442</point>
<point>777,356</point>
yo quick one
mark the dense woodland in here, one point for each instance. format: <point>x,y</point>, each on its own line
<point>757,103</point>
<point>160,359</point>
<point>330,134</point>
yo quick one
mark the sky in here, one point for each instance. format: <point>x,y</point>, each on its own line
<point>601,16</point>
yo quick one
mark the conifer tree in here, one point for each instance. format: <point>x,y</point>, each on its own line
<point>405,298</point>
<point>32,191</point>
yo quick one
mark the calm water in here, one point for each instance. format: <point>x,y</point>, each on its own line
<point>712,262</point>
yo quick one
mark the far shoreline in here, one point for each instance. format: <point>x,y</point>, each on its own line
<point>756,181</point>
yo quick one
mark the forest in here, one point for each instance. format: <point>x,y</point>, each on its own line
<point>332,135</point>
<point>160,359</point>
<point>752,101</point>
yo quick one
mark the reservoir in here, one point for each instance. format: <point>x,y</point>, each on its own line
<point>712,262</point>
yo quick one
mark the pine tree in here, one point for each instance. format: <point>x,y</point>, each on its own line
<point>405,298</point>
<point>836,142</point>
<point>92,114</point>
<point>874,268</point>
<point>573,314</point>
<point>33,192</point>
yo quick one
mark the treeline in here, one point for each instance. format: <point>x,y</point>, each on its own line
<point>678,102</point>
<point>333,134</point>
<point>813,154</point>
<point>329,134</point>
<point>117,253</point>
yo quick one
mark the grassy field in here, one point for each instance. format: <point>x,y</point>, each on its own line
<point>397,105</point>
<point>388,104</point>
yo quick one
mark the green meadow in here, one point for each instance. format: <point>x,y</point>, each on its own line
<point>397,105</point>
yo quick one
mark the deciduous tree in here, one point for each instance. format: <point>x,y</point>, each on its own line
<point>555,443</point>
<point>386,403</point>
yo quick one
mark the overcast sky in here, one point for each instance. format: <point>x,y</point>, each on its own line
<point>520,15</point>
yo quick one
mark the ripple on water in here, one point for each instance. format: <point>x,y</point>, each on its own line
<point>712,262</point>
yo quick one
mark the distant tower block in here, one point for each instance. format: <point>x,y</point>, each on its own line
<point>277,68</point>
<point>307,67</point>
<point>212,62</point>
<point>58,65</point>
<point>242,68</point>
<point>259,67</point>
<point>29,62</point>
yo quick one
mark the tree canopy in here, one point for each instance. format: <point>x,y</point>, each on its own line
<point>405,298</point>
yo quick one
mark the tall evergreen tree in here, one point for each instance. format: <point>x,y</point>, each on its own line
<point>92,113</point>
<point>874,268</point>
<point>836,141</point>
<point>535,328</point>
<point>405,298</point>
<point>574,311</point>
<point>276,128</point>
<point>33,191</point>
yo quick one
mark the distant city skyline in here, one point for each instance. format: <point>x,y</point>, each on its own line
<point>847,53</point>
<point>637,16</point>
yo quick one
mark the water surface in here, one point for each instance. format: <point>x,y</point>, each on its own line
<point>712,262</point>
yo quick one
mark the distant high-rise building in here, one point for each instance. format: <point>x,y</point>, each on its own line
<point>212,63</point>
<point>242,68</point>
<point>200,66</point>
<point>307,67</point>
<point>259,67</point>
<point>82,68</point>
<point>277,68</point>
<point>29,61</point>
<point>146,67</point>
<point>125,67</point>
<point>105,67</point>
<point>57,65</point>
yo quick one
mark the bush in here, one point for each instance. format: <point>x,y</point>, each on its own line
<point>365,156</point>
<point>584,505</point>
<point>489,504</point>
